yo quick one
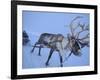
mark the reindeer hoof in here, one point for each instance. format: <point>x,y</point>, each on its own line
<point>39,54</point>
<point>46,64</point>
<point>61,65</point>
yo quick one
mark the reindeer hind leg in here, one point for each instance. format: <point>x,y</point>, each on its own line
<point>39,51</point>
<point>34,47</point>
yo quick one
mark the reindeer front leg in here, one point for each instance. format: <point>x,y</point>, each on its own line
<point>50,54</point>
<point>61,60</point>
<point>60,52</point>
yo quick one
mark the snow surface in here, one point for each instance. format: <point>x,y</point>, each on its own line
<point>33,60</point>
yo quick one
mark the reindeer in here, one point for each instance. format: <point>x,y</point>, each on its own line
<point>59,43</point>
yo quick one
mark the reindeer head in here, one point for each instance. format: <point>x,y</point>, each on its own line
<point>75,42</point>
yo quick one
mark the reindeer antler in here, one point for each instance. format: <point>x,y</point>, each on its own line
<point>84,41</point>
<point>73,28</point>
<point>83,29</point>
